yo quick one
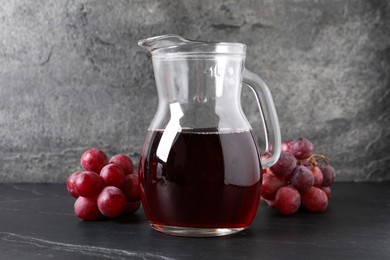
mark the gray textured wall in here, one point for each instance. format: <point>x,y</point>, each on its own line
<point>72,76</point>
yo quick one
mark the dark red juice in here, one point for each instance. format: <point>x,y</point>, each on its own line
<point>200,178</point>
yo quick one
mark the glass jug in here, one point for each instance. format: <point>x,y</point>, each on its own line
<point>200,165</point>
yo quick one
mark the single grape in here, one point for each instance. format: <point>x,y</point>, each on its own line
<point>301,148</point>
<point>317,174</point>
<point>315,200</point>
<point>131,187</point>
<point>286,146</point>
<point>270,185</point>
<point>124,162</point>
<point>287,200</point>
<point>302,178</point>
<point>93,160</point>
<point>113,175</point>
<point>70,184</point>
<point>327,191</point>
<point>306,162</point>
<point>132,206</point>
<point>86,208</point>
<point>284,166</point>
<point>329,175</point>
<point>88,184</point>
<point>111,202</point>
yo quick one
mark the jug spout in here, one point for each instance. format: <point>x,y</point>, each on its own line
<point>162,41</point>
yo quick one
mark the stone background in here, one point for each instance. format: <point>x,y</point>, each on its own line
<point>72,76</point>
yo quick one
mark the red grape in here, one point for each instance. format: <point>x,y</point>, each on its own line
<point>301,148</point>
<point>317,174</point>
<point>93,160</point>
<point>113,175</point>
<point>329,175</point>
<point>315,200</point>
<point>132,206</point>
<point>124,162</point>
<point>86,208</point>
<point>286,146</point>
<point>302,178</point>
<point>88,184</point>
<point>70,184</point>
<point>287,200</point>
<point>284,166</point>
<point>306,162</point>
<point>131,187</point>
<point>270,186</point>
<point>111,202</point>
<point>327,191</point>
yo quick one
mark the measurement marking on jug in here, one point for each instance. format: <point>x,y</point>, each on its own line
<point>214,71</point>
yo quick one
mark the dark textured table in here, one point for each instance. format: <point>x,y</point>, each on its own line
<point>37,222</point>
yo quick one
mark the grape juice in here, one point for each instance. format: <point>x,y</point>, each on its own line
<point>201,179</point>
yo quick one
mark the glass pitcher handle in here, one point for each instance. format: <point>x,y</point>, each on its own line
<point>269,116</point>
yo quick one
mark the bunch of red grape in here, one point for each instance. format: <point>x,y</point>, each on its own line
<point>105,187</point>
<point>298,177</point>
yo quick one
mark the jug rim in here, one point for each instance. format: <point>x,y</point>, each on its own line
<point>171,45</point>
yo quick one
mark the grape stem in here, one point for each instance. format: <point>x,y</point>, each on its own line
<point>318,158</point>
